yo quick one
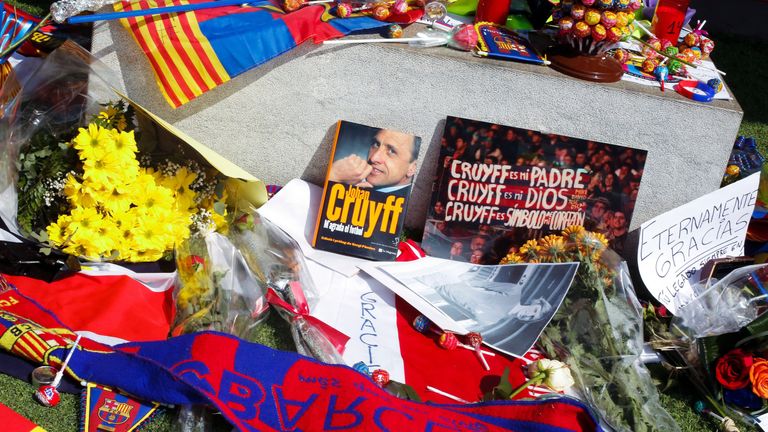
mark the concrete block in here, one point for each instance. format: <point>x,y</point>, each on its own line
<point>276,121</point>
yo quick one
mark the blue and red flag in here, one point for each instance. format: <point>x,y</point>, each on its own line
<point>193,52</point>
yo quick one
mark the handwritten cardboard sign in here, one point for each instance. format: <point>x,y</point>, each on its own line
<point>674,246</point>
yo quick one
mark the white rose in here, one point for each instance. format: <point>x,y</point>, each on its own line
<point>554,374</point>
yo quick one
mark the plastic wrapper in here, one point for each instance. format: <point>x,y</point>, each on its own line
<point>278,261</point>
<point>726,305</point>
<point>598,331</point>
<point>64,9</point>
<point>218,291</point>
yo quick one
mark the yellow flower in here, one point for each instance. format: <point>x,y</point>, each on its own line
<point>552,247</point>
<point>89,140</point>
<point>571,233</point>
<point>530,250</point>
<point>154,200</point>
<point>58,232</point>
<point>103,170</point>
<point>512,258</point>
<point>125,144</point>
<point>78,194</point>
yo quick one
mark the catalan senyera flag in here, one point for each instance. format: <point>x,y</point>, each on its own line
<point>193,52</point>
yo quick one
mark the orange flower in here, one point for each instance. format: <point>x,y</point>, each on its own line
<point>758,374</point>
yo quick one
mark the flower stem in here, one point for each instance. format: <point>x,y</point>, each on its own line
<point>536,379</point>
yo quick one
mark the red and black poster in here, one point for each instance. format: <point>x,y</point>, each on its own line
<point>497,186</point>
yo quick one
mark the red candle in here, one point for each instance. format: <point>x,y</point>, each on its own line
<point>494,11</point>
<point>668,19</point>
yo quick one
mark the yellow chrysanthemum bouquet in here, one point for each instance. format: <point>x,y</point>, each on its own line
<point>597,330</point>
<point>116,208</point>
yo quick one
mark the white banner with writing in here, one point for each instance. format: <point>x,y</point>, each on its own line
<point>674,246</point>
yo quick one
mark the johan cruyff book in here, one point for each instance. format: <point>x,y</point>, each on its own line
<point>366,191</point>
<point>497,187</point>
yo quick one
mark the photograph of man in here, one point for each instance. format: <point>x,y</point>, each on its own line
<point>381,159</point>
<point>508,304</point>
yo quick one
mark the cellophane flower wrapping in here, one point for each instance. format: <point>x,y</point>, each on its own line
<point>598,331</point>
<point>726,305</point>
<point>85,172</point>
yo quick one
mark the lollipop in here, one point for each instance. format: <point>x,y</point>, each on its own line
<point>707,46</point>
<point>344,10</point>
<point>649,52</point>
<point>614,35</point>
<point>671,51</point>
<point>690,57</point>
<point>635,5</point>
<point>598,35</point>
<point>608,19</point>
<point>649,65</point>
<point>675,67</point>
<point>380,377</point>
<point>565,24</point>
<point>592,17</point>
<point>655,43</point>
<point>665,44</point>
<point>475,341</point>
<point>394,31</point>
<point>662,73</point>
<point>621,55</point>
<point>696,52</point>
<point>581,30</point>
<point>361,367</point>
<point>578,11</point>
<point>604,4</point>
<point>621,19</point>
<point>622,4</point>
<point>400,6</point>
<point>716,84</point>
<point>630,17</point>
<point>292,5</point>
<point>463,37</point>
<point>48,395</point>
<point>380,12</point>
<point>448,341</point>
<point>692,39</point>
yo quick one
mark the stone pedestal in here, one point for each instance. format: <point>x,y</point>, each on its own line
<point>276,121</point>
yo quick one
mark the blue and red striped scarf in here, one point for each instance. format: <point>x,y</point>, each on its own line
<point>261,389</point>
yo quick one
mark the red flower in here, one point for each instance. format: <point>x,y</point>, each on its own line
<point>732,370</point>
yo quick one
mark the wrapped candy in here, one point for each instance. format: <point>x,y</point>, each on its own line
<point>661,73</point>
<point>362,368</point>
<point>671,50</point>
<point>592,17</point>
<point>621,55</point>
<point>380,12</point>
<point>463,37</point>
<point>604,4</point>
<point>448,341</point>
<point>599,33</point>
<point>649,65</point>
<point>690,57</point>
<point>649,52</point>
<point>635,5</point>
<point>621,19</point>
<point>696,52</point>
<point>716,84</point>
<point>622,4</point>
<point>578,11</point>
<point>608,19</point>
<point>614,35</point>
<point>675,67</point>
<point>344,10</point>
<point>400,6</point>
<point>665,44</point>
<point>394,31</point>
<point>581,30</point>
<point>707,46</point>
<point>587,3</point>
<point>692,39</point>
<point>655,43</point>
<point>565,24</point>
<point>380,377</point>
<point>292,5</point>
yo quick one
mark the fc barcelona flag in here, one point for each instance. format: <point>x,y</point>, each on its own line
<point>193,52</point>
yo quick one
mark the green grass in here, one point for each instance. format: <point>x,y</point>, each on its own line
<point>744,61</point>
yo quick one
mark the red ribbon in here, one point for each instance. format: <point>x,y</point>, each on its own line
<point>301,308</point>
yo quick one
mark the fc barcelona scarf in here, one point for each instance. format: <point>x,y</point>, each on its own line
<point>260,389</point>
